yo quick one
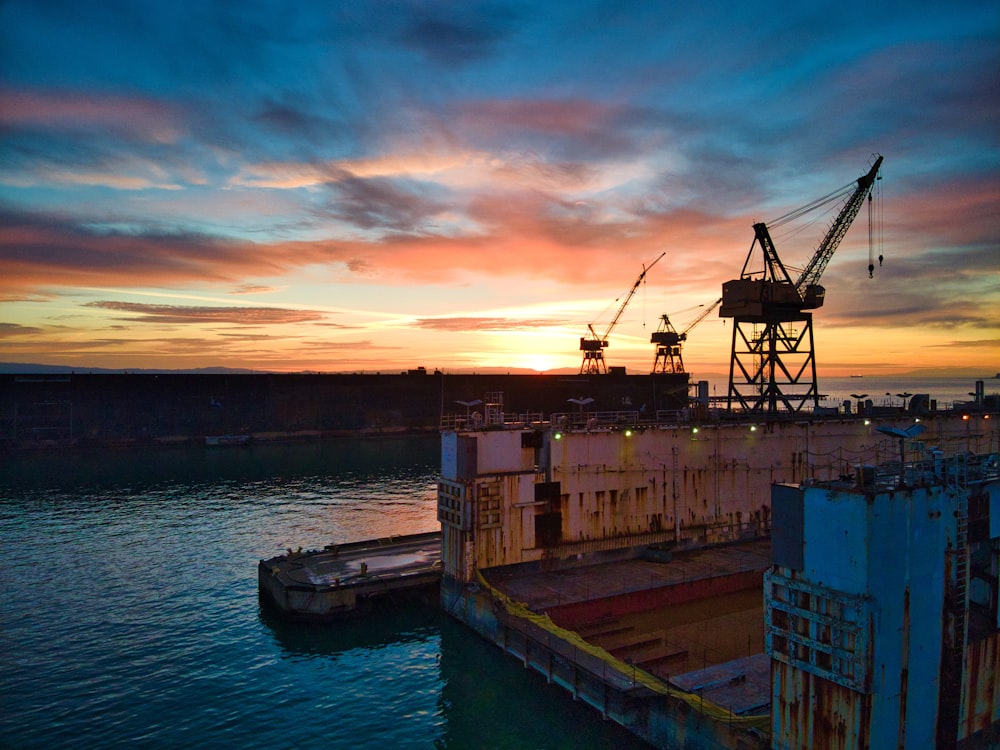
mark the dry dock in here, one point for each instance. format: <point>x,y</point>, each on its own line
<point>625,562</point>
<point>694,620</point>
<point>347,580</point>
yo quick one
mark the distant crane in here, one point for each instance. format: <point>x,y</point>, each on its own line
<point>668,341</point>
<point>773,362</point>
<point>593,345</point>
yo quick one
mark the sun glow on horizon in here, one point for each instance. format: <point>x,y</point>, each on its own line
<point>542,363</point>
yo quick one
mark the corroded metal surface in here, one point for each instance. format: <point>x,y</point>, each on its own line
<point>873,575</point>
<point>869,624</point>
<point>981,694</point>
<point>608,489</point>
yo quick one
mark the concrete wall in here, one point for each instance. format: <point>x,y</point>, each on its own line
<point>38,410</point>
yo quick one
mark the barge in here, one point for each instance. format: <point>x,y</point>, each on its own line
<point>350,580</point>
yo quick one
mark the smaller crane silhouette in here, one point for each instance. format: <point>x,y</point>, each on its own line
<point>593,345</point>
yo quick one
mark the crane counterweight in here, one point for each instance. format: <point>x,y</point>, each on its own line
<point>669,341</point>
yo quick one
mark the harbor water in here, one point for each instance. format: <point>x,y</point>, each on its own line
<point>883,390</point>
<point>130,614</point>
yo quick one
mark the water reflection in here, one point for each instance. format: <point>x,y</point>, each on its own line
<point>413,623</point>
<point>349,456</point>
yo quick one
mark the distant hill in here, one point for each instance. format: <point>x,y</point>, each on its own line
<point>20,368</point>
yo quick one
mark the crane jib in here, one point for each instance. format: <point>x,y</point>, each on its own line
<point>838,229</point>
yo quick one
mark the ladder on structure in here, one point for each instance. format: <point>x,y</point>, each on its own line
<point>957,473</point>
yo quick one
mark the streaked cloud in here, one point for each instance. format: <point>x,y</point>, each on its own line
<point>253,316</point>
<point>456,36</point>
<point>146,119</point>
<point>8,330</point>
<point>486,324</point>
<point>252,289</point>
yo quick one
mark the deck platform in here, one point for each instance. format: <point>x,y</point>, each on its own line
<point>693,620</point>
<point>545,591</point>
<point>342,581</point>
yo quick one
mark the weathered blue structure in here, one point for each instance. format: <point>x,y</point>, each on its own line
<point>881,608</point>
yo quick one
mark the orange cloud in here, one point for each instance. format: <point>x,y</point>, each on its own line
<point>558,117</point>
<point>143,119</point>
<point>44,252</point>
<point>486,324</point>
<point>146,313</point>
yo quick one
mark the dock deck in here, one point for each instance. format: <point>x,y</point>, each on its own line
<point>695,621</point>
<point>543,591</point>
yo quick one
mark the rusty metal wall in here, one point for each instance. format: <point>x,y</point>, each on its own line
<point>883,554</point>
<point>808,712</point>
<point>685,485</point>
<point>881,564</point>
<point>981,690</point>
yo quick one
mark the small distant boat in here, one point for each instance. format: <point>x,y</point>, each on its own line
<point>227,440</point>
<point>857,376</point>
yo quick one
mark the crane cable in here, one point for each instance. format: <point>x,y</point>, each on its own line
<point>822,201</point>
<point>881,204</point>
<point>871,242</point>
<point>875,229</point>
<point>839,196</point>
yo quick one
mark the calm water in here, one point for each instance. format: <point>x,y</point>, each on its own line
<point>884,390</point>
<point>130,617</point>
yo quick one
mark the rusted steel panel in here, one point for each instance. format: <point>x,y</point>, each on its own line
<point>810,712</point>
<point>851,618</point>
<point>981,693</point>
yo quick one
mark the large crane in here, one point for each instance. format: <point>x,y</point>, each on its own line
<point>773,362</point>
<point>593,345</point>
<point>669,341</point>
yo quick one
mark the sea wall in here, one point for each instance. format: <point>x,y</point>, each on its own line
<point>148,409</point>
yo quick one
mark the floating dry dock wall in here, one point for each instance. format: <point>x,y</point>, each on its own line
<point>550,499</point>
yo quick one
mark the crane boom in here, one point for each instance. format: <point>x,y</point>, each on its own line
<point>593,356</point>
<point>628,297</point>
<point>812,272</point>
<point>708,310</point>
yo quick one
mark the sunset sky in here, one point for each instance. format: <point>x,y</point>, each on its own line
<point>373,186</point>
